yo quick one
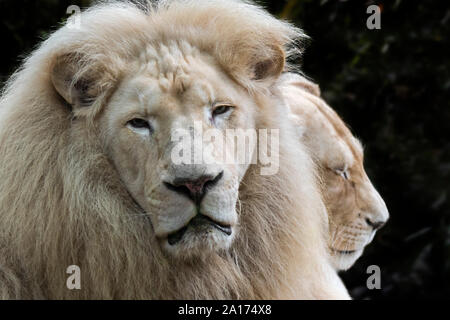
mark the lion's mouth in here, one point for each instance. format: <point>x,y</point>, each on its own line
<point>347,252</point>
<point>344,252</point>
<point>198,222</point>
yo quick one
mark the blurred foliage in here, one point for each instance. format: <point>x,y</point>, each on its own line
<point>392,86</point>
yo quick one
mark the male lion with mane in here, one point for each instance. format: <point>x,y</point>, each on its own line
<point>87,178</point>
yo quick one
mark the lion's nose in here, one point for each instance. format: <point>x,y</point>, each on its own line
<point>375,224</point>
<point>194,189</point>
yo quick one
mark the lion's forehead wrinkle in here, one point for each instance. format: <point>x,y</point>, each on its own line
<point>168,56</point>
<point>171,64</point>
<point>188,84</point>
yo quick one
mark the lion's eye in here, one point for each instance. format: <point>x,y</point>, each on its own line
<point>222,109</point>
<point>139,124</point>
<point>343,173</point>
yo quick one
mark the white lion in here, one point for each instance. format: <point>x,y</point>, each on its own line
<point>356,210</point>
<point>87,177</point>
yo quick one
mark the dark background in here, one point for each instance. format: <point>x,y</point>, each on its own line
<point>392,86</point>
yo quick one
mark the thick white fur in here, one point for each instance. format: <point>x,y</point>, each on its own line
<point>62,203</point>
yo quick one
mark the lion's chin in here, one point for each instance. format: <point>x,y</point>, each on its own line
<point>343,260</point>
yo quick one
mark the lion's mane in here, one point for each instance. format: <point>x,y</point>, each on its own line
<point>62,203</point>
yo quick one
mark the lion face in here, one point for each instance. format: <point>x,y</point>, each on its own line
<point>153,118</point>
<point>356,210</point>
<point>146,89</point>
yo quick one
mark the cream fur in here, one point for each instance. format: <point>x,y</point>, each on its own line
<point>353,203</point>
<point>62,201</point>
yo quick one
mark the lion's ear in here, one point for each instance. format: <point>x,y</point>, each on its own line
<point>270,67</point>
<point>262,65</point>
<point>73,82</point>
